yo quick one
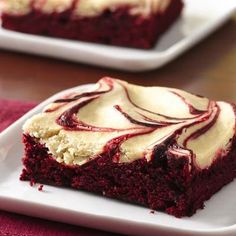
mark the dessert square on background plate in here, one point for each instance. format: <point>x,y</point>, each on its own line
<point>81,208</point>
<point>199,19</point>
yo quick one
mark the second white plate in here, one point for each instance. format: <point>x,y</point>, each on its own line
<point>200,18</point>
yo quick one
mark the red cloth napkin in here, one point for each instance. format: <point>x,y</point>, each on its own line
<point>10,111</point>
<point>19,225</point>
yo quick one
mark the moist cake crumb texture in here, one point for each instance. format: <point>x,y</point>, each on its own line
<point>153,146</point>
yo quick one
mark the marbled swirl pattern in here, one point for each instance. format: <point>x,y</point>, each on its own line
<point>134,120</point>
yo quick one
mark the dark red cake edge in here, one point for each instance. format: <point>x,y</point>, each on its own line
<point>163,184</point>
<point>111,28</point>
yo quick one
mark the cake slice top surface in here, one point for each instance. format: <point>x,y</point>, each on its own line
<point>135,121</point>
<point>85,8</point>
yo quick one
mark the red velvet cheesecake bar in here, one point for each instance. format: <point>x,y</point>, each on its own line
<point>130,23</point>
<point>163,148</point>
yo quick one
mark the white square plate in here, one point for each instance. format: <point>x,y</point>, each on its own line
<point>81,208</point>
<point>199,19</point>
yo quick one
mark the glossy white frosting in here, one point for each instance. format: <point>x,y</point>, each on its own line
<point>85,8</point>
<point>148,115</point>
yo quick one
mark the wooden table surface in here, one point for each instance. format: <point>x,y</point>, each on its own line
<point>208,69</point>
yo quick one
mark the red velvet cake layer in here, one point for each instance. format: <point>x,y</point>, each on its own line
<point>164,183</point>
<point>118,27</point>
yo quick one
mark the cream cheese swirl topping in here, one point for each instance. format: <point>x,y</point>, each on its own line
<point>134,121</point>
<point>84,8</point>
